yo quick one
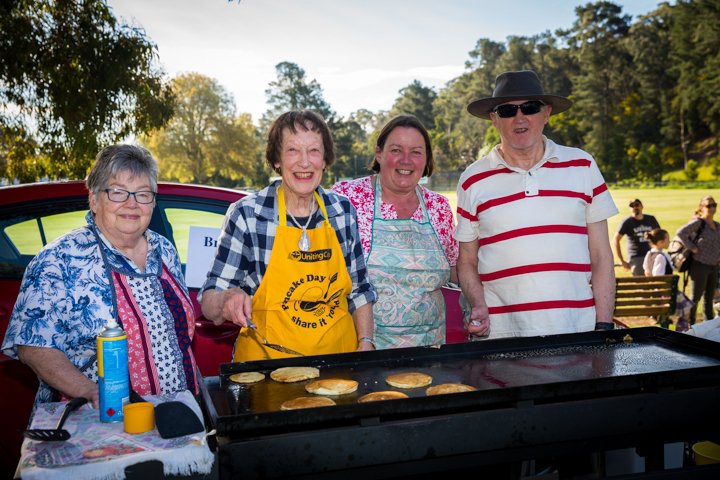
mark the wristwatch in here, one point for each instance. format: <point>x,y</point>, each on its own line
<point>604,326</point>
<point>368,340</point>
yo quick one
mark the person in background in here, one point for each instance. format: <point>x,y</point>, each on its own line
<point>407,236</point>
<point>634,226</point>
<point>702,237</point>
<point>657,261</point>
<point>114,267</point>
<point>289,258</point>
<point>532,224</point>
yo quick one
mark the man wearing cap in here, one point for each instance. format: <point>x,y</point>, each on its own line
<point>635,227</point>
<point>532,224</point>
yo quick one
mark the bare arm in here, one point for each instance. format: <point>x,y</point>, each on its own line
<point>467,272</point>
<point>54,368</point>
<point>603,274</point>
<point>453,275</point>
<point>363,319</point>
<point>233,305</point>
<point>618,250</point>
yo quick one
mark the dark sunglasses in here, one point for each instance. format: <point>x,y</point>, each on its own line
<point>509,110</point>
<point>711,205</point>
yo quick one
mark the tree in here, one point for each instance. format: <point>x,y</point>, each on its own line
<point>715,164</point>
<point>352,151</point>
<point>292,91</point>
<point>596,41</point>
<point>369,121</point>
<point>205,142</point>
<point>416,99</point>
<point>691,171</point>
<point>695,60</point>
<point>650,104</point>
<point>72,80</point>
<point>458,136</point>
<point>19,158</point>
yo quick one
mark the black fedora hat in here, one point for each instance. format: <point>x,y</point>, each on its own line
<point>520,85</point>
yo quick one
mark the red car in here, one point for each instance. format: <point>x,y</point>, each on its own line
<point>33,215</point>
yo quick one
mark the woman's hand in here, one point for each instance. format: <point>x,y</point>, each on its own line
<point>53,367</point>
<point>92,393</point>
<point>236,306</point>
<point>233,305</point>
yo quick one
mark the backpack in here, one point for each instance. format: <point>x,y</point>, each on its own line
<point>682,257</point>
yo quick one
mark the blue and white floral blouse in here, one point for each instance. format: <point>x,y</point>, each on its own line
<point>66,298</point>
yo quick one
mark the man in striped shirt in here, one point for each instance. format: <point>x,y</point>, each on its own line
<point>532,224</point>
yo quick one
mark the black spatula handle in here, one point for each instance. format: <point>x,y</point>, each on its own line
<point>72,405</point>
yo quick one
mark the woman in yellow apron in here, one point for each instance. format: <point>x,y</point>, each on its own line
<point>289,258</point>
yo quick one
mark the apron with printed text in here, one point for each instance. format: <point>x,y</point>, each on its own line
<point>407,265</point>
<point>301,302</point>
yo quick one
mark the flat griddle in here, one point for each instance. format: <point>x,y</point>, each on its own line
<point>506,372</point>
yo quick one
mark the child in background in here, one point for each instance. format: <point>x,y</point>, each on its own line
<point>657,261</point>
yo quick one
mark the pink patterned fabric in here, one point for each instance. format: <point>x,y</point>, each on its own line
<point>362,195</point>
<point>152,350</point>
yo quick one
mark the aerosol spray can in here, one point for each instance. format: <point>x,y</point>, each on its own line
<point>113,376</point>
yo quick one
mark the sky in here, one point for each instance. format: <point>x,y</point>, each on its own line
<point>361,52</point>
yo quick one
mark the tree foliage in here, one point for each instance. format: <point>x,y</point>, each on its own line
<point>646,95</point>
<point>205,142</point>
<point>293,91</point>
<point>645,92</point>
<point>416,99</point>
<point>72,79</point>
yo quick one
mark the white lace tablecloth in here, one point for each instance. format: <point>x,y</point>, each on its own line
<point>101,451</point>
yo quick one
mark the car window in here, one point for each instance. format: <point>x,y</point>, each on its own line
<point>30,236</point>
<point>25,233</point>
<point>182,219</point>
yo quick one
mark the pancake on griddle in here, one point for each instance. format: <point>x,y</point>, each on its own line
<point>444,388</point>
<point>331,386</point>
<point>247,377</point>
<point>307,402</point>
<point>409,380</point>
<point>384,395</point>
<point>294,374</point>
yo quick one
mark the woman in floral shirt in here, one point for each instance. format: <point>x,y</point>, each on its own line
<point>114,267</point>
<point>407,237</point>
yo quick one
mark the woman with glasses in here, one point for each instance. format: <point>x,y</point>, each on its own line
<point>114,267</point>
<point>702,237</point>
<point>532,223</point>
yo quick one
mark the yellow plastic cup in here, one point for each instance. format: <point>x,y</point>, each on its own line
<point>138,417</point>
<point>706,453</point>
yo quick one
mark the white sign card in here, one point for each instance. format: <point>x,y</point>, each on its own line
<point>202,243</point>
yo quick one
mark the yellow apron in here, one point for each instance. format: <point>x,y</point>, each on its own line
<point>301,302</point>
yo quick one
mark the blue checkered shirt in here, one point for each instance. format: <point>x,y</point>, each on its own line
<point>248,234</point>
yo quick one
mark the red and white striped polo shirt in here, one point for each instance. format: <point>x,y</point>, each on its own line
<point>534,260</point>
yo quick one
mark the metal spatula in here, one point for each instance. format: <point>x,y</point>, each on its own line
<point>59,434</point>
<point>274,346</point>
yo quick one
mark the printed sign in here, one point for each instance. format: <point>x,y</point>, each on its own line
<point>202,243</point>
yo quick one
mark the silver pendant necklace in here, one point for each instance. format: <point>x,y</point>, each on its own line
<point>304,242</point>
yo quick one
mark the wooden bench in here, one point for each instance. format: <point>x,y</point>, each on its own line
<point>645,297</point>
